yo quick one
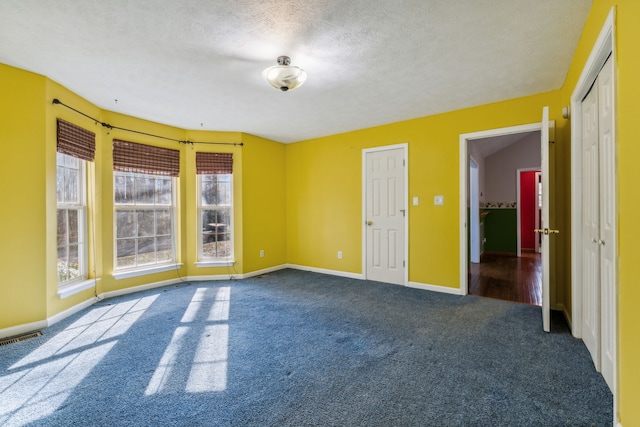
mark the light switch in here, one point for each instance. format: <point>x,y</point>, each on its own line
<point>438,200</point>
<point>415,201</point>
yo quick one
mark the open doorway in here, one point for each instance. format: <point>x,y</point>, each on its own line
<point>502,177</point>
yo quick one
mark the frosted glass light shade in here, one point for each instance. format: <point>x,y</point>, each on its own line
<point>284,76</point>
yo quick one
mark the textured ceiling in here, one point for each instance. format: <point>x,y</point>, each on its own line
<point>197,64</point>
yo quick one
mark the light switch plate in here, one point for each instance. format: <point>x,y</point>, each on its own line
<point>438,200</point>
<point>415,201</point>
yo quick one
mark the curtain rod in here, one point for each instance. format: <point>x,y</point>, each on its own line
<point>108,126</point>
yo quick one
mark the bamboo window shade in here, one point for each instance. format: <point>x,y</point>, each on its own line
<point>214,163</point>
<point>75,141</point>
<point>146,159</point>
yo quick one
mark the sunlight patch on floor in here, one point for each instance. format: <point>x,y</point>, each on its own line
<point>38,384</point>
<point>208,368</point>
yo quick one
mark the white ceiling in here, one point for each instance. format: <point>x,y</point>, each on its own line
<point>197,64</point>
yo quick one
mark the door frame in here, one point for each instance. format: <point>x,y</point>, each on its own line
<point>518,222</point>
<point>464,177</point>
<point>405,157</point>
<point>601,50</point>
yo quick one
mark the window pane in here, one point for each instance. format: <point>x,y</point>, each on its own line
<point>224,190</point>
<point>163,223</point>
<point>63,272</point>
<point>146,251</point>
<point>59,183</point>
<point>73,226</point>
<point>73,263</point>
<point>145,189</point>
<point>123,188</point>
<point>62,227</point>
<point>163,191</point>
<point>71,193</point>
<point>165,249</point>
<point>209,190</point>
<point>125,253</point>
<point>145,223</point>
<point>125,224</point>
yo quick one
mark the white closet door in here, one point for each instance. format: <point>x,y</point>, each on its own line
<point>607,221</point>
<point>591,226</point>
<point>599,224</point>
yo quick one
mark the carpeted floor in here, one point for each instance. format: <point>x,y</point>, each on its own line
<point>296,348</point>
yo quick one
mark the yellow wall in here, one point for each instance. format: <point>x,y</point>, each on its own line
<point>627,40</point>
<point>324,188</point>
<point>23,224</point>
<point>263,203</point>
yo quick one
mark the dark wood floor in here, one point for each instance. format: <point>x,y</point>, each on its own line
<point>508,278</point>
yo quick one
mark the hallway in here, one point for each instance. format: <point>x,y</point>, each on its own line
<point>508,278</point>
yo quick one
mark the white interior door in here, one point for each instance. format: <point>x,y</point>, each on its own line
<point>590,227</point>
<point>385,215</point>
<point>544,166</point>
<point>598,224</point>
<point>608,227</point>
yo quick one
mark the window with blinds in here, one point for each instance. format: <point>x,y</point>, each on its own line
<point>145,208</point>
<point>215,206</point>
<point>75,147</point>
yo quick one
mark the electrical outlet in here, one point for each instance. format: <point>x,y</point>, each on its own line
<point>438,200</point>
<point>339,254</point>
<point>261,253</point>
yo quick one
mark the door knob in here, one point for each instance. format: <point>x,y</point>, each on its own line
<point>369,222</point>
<point>546,231</point>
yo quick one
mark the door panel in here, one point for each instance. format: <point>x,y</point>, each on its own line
<point>590,227</point>
<point>607,220</point>
<point>385,215</point>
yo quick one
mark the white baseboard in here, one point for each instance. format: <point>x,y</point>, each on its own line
<point>22,329</point>
<point>134,289</point>
<point>435,288</point>
<point>236,276</point>
<point>71,311</point>
<point>325,271</point>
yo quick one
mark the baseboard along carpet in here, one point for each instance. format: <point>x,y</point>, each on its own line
<point>296,348</point>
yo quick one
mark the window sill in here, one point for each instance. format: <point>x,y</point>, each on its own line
<point>74,288</point>
<point>143,271</point>
<point>216,263</point>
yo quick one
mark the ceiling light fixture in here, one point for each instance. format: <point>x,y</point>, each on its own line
<point>284,76</point>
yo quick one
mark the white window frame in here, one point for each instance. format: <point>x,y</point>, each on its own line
<point>137,270</point>
<point>217,261</point>
<point>81,208</point>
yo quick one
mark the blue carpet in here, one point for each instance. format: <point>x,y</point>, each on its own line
<point>296,348</point>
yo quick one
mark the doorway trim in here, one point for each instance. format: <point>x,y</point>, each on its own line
<point>464,177</point>
<point>603,47</point>
<point>405,156</point>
